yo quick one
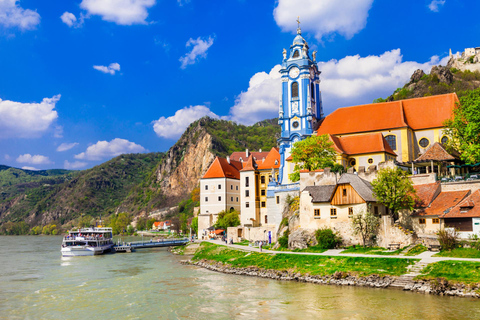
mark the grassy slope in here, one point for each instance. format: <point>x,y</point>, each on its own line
<point>371,250</point>
<point>314,265</point>
<point>457,271</point>
<point>460,253</point>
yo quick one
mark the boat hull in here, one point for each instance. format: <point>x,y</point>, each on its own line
<point>78,251</point>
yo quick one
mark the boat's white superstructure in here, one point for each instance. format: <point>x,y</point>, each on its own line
<point>87,242</point>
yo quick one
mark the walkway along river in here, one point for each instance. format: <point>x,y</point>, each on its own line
<point>37,283</point>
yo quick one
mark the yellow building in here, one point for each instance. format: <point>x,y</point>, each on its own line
<point>409,127</point>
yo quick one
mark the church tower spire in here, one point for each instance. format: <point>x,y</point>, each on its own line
<point>300,106</point>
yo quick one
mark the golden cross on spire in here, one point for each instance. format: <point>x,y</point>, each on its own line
<point>298,21</point>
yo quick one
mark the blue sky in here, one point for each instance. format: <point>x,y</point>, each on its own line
<point>82,81</point>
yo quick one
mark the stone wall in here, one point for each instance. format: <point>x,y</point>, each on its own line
<point>464,185</point>
<point>424,178</point>
<point>252,233</point>
<point>389,233</point>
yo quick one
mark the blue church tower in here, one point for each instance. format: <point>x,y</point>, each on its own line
<point>300,106</point>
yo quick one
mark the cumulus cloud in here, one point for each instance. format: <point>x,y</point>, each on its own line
<point>73,165</point>
<point>70,20</point>
<point>110,69</point>
<point>30,168</point>
<point>27,120</point>
<point>261,99</point>
<point>66,146</point>
<point>105,149</point>
<point>199,50</point>
<point>435,5</point>
<point>173,127</point>
<point>356,80</point>
<point>12,15</point>
<point>349,81</point>
<point>122,12</point>
<point>344,17</point>
<point>36,159</point>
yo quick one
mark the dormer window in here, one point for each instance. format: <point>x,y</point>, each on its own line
<point>296,54</point>
<point>276,162</point>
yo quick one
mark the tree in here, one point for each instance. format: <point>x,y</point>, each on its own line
<point>464,128</point>
<point>141,223</point>
<point>366,225</point>
<point>312,153</point>
<point>194,225</point>
<point>150,223</point>
<point>393,189</point>
<point>227,219</point>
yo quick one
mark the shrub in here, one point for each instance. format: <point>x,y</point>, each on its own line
<point>448,240</point>
<point>283,240</point>
<point>327,239</point>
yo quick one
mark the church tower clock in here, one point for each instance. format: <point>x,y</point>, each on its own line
<point>300,106</point>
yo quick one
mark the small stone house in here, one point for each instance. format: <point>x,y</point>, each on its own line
<point>333,206</point>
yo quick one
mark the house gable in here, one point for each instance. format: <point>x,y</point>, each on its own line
<point>345,194</point>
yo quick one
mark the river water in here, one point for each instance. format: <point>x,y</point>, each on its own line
<point>37,283</point>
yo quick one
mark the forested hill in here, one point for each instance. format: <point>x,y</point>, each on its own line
<point>135,183</point>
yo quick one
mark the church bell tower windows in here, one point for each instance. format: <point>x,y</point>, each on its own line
<point>296,54</point>
<point>295,90</point>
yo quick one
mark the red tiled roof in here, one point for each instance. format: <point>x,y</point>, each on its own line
<point>259,156</point>
<point>390,115</point>
<point>249,165</point>
<point>220,168</point>
<point>468,208</point>
<point>156,224</point>
<point>443,202</point>
<point>436,152</point>
<point>361,144</point>
<point>290,158</point>
<point>269,162</point>
<point>426,193</point>
<point>429,112</point>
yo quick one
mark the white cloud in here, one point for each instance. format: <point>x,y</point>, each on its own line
<point>435,5</point>
<point>36,159</point>
<point>73,165</point>
<point>12,15</point>
<point>58,132</point>
<point>104,149</point>
<point>123,12</point>
<point>181,3</point>
<point>261,99</point>
<point>345,17</point>
<point>173,127</point>
<point>7,157</point>
<point>356,80</point>
<point>66,146</point>
<point>110,69</point>
<point>70,20</point>
<point>26,120</point>
<point>30,168</point>
<point>199,50</point>
<point>352,80</point>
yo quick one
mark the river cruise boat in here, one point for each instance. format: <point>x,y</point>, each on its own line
<point>87,242</point>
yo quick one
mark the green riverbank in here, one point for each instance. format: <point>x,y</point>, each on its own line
<point>305,264</point>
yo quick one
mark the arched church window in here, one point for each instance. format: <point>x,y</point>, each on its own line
<point>392,141</point>
<point>295,90</point>
<point>312,91</point>
<point>444,140</point>
<point>296,54</point>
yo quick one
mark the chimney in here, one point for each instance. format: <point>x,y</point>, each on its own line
<point>246,153</point>
<point>260,150</point>
<point>228,159</point>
